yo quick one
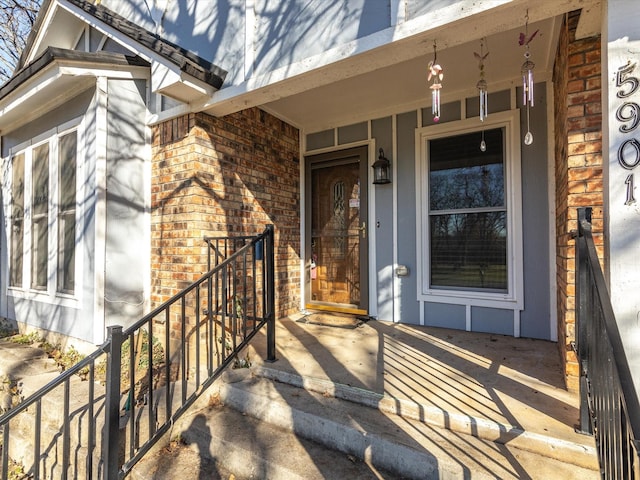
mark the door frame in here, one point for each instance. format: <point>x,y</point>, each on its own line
<point>322,157</point>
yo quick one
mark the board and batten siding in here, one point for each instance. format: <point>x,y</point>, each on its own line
<point>394,220</point>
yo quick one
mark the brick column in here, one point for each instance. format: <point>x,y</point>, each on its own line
<point>579,181</point>
<point>224,176</point>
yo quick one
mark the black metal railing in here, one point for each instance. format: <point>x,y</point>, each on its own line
<point>609,406</point>
<point>99,418</point>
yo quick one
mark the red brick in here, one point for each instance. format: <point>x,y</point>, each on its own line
<point>578,145</point>
<point>211,176</point>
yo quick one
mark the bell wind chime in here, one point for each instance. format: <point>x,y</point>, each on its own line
<point>527,75</point>
<point>434,71</point>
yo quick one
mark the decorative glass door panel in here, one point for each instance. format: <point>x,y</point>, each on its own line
<point>338,232</point>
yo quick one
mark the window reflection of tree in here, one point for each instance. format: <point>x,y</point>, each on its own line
<point>17,220</point>
<point>468,212</point>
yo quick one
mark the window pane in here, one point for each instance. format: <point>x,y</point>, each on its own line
<point>67,166</point>
<point>469,251</point>
<point>67,254</point>
<point>40,221</point>
<point>461,176</point>
<point>17,220</point>
<point>67,212</point>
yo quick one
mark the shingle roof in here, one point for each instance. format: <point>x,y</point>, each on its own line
<point>52,54</point>
<point>186,60</point>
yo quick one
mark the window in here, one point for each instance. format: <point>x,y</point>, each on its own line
<point>43,214</point>
<point>469,240</point>
<point>467,213</point>
<point>17,220</point>
<point>67,147</point>
<point>40,216</point>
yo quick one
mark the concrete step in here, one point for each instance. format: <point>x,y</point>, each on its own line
<point>220,442</point>
<point>281,425</point>
<point>580,454</point>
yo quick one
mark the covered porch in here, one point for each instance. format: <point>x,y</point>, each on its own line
<point>508,391</point>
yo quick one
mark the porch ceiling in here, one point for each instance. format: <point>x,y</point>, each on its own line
<point>397,86</point>
<point>400,83</point>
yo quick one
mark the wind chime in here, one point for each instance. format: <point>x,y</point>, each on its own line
<point>482,90</point>
<point>435,73</point>
<point>527,75</point>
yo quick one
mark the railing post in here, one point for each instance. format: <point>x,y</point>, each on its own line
<point>271,294</point>
<point>111,441</point>
<point>582,314</point>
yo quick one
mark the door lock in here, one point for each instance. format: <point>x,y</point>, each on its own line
<point>363,229</point>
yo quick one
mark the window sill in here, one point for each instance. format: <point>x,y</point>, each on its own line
<point>57,299</point>
<point>472,298</point>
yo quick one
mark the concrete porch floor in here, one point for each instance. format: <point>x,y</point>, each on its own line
<point>493,387</point>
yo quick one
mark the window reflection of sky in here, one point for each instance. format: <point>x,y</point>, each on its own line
<point>461,176</point>
<point>468,249</point>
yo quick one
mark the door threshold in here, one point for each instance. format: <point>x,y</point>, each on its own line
<point>335,309</point>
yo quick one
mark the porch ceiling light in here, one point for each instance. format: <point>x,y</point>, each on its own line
<point>381,170</point>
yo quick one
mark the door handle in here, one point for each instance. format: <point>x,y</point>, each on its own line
<point>363,229</point>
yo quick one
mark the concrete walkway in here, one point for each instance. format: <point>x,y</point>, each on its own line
<point>493,387</point>
<point>477,387</point>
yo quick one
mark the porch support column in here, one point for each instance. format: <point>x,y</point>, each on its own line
<point>621,142</point>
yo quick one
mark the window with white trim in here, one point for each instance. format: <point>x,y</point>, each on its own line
<point>67,166</point>
<point>17,220</point>
<point>43,217</point>
<point>39,216</point>
<point>469,241</point>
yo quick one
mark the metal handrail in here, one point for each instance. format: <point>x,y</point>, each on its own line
<point>173,354</point>
<point>609,406</point>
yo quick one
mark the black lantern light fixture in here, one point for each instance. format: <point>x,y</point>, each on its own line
<point>381,170</point>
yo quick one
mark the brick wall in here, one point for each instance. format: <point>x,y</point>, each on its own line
<point>224,176</point>
<point>579,182</point>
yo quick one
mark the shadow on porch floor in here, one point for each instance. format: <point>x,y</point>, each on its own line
<point>474,383</point>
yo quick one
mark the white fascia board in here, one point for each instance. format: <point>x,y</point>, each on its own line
<point>590,22</point>
<point>163,70</point>
<point>313,66</point>
<point>113,33</point>
<point>123,72</point>
<point>44,27</point>
<point>31,88</point>
<point>450,26</point>
<point>41,84</point>
<point>165,78</point>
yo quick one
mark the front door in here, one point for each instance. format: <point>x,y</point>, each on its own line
<point>336,233</point>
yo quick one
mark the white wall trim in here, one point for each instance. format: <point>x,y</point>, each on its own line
<point>303,223</point>
<point>514,298</point>
<point>50,295</point>
<point>100,194</point>
<point>551,178</point>
<point>397,298</point>
<point>371,218</point>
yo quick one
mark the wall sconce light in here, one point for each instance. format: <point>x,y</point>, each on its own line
<point>381,170</point>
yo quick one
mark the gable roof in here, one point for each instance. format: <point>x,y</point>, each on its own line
<point>53,54</point>
<point>146,42</point>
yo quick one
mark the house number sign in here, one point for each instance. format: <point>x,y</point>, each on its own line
<point>628,114</point>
